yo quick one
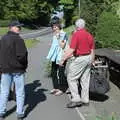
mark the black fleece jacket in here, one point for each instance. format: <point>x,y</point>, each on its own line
<point>13,53</point>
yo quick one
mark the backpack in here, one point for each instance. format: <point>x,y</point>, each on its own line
<point>99,80</point>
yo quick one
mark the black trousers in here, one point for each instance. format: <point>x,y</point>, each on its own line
<point>58,77</point>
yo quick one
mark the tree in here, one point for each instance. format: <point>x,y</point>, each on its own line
<point>20,9</point>
<point>27,10</point>
<point>92,9</point>
<point>69,6</point>
<point>116,8</point>
<point>108,31</point>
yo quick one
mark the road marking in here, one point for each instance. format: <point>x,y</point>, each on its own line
<point>79,113</point>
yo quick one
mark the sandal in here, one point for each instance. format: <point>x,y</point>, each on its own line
<point>53,91</point>
<point>58,93</point>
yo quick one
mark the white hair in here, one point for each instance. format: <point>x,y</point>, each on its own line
<point>80,23</point>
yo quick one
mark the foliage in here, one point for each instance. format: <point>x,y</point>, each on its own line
<point>92,9</point>
<point>69,6</point>
<point>48,68</point>
<point>113,116</point>
<point>69,30</point>
<point>43,9</point>
<point>108,30</point>
<point>116,8</point>
<point>75,15</point>
<point>27,10</point>
<point>38,11</point>
<point>18,9</point>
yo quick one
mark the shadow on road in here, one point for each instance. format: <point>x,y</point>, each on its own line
<point>98,97</point>
<point>34,95</point>
<point>115,77</point>
<point>10,111</point>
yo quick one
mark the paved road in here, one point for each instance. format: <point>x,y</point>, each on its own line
<point>35,33</point>
<point>40,105</point>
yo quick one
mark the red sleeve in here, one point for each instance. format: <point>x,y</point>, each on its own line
<point>91,39</point>
<point>73,42</point>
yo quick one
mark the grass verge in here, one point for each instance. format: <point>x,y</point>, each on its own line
<point>3,30</point>
<point>31,42</point>
<point>69,29</point>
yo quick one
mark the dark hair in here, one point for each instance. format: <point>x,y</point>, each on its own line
<point>57,24</point>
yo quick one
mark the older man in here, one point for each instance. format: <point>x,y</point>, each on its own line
<point>13,63</point>
<point>82,47</point>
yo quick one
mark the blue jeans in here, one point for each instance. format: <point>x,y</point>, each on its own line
<point>6,82</point>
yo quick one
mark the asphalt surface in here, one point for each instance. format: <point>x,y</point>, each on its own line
<point>41,105</point>
<point>35,33</point>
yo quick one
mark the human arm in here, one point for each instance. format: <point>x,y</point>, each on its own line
<point>92,46</point>
<point>68,53</point>
<point>93,56</point>
<point>70,50</point>
<point>63,39</point>
<point>62,43</point>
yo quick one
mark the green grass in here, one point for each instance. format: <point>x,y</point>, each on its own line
<point>69,29</point>
<point>31,42</point>
<point>113,116</point>
<point>3,30</point>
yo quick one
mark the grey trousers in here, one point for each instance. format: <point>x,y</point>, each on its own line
<point>79,69</point>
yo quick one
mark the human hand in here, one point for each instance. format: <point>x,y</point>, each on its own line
<point>62,44</point>
<point>61,62</point>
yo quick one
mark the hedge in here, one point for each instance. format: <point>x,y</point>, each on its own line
<point>108,31</point>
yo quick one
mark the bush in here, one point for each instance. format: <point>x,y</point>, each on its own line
<point>108,31</point>
<point>69,30</point>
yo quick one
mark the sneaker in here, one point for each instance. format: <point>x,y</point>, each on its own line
<point>19,118</point>
<point>85,104</point>
<point>74,104</point>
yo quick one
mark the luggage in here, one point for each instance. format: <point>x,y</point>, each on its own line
<point>99,82</point>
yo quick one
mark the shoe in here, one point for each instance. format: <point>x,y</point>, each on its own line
<point>68,91</point>
<point>58,93</point>
<point>85,104</point>
<point>53,91</point>
<point>19,118</point>
<point>73,104</point>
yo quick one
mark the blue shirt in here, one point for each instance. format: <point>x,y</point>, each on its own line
<point>56,52</point>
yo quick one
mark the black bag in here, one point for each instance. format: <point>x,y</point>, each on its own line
<point>98,81</point>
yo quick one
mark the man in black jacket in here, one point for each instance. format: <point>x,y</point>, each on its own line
<point>13,64</point>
